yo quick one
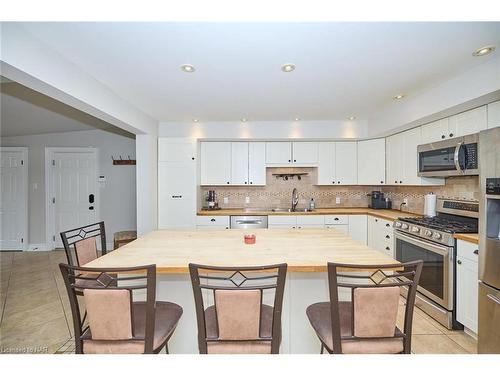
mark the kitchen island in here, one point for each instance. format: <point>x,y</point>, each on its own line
<point>305,251</point>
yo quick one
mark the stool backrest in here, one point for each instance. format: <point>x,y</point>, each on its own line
<point>80,243</point>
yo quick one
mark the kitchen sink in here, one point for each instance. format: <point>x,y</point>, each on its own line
<point>278,209</point>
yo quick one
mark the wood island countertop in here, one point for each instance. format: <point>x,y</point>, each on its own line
<point>383,214</point>
<point>305,250</point>
<point>469,237</point>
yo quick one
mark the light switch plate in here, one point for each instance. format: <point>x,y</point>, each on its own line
<point>337,200</point>
<point>226,200</point>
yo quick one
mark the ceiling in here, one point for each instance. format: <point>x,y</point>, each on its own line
<point>27,112</point>
<point>342,69</point>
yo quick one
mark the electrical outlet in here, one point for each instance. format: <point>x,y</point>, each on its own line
<point>247,200</point>
<point>226,200</point>
<point>337,200</point>
<point>405,201</point>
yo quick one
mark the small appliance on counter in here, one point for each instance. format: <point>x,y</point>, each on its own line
<point>378,201</point>
<point>211,201</point>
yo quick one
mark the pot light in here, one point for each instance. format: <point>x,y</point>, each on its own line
<point>483,51</point>
<point>399,96</point>
<point>297,119</point>
<point>244,120</point>
<point>287,68</point>
<point>351,118</point>
<point>196,120</point>
<point>187,68</point>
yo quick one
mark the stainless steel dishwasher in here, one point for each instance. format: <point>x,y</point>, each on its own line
<point>248,222</point>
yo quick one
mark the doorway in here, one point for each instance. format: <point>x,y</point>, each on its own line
<point>72,199</point>
<point>13,198</point>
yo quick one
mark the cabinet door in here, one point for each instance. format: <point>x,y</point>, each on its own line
<point>279,153</point>
<point>469,122</point>
<point>358,227</point>
<point>326,163</point>
<point>215,163</point>
<point>467,293</point>
<point>435,131</point>
<point>371,229</point>
<point>176,195</point>
<point>346,163</point>
<point>341,228</point>
<point>371,162</point>
<point>176,149</point>
<point>305,153</point>
<point>239,163</point>
<point>394,159</point>
<point>411,140</point>
<point>257,163</point>
<point>494,115</point>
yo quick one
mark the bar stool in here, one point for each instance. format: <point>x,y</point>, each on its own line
<point>117,324</point>
<point>80,243</point>
<point>234,319</point>
<point>367,323</point>
<point>124,237</point>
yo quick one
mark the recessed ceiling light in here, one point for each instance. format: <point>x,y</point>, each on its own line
<point>483,51</point>
<point>243,120</point>
<point>195,120</point>
<point>188,68</point>
<point>287,68</point>
<point>297,119</point>
<point>399,96</point>
<point>351,118</point>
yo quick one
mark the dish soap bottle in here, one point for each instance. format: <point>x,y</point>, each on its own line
<point>312,205</point>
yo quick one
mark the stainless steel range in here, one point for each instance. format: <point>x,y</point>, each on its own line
<point>431,240</point>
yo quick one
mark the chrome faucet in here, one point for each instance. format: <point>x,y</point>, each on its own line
<point>295,199</point>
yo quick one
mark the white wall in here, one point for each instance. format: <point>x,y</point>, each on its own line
<point>265,129</point>
<point>117,198</point>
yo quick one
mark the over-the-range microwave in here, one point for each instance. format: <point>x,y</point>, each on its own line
<point>452,157</point>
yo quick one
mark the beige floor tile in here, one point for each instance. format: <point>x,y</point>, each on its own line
<point>33,317</point>
<point>421,324</point>
<point>435,344</point>
<point>465,341</point>
<point>30,301</point>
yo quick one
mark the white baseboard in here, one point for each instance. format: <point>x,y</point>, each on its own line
<point>38,247</point>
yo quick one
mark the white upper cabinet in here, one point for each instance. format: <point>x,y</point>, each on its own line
<point>257,163</point>
<point>394,159</point>
<point>346,163</point>
<point>435,131</point>
<point>468,122</point>
<point>305,153</point>
<point>215,163</point>
<point>278,153</point>
<point>494,114</point>
<point>176,149</point>
<point>371,162</point>
<point>239,163</point>
<point>411,140</point>
<point>337,163</point>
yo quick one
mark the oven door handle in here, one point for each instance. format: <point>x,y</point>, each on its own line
<point>443,250</point>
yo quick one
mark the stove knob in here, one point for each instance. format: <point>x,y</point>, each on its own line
<point>404,226</point>
<point>415,229</point>
<point>397,224</point>
<point>437,236</point>
<point>428,233</point>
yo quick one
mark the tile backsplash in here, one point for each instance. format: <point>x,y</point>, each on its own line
<point>278,192</point>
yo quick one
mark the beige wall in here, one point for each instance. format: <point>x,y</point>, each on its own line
<point>277,192</point>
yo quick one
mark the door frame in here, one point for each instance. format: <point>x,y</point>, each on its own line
<point>50,215</point>
<point>24,210</point>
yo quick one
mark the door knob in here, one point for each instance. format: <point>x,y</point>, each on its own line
<point>459,262</point>
<point>91,207</point>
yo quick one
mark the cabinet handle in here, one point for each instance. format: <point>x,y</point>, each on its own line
<point>387,225</point>
<point>443,136</point>
<point>493,298</point>
<point>400,182</point>
<point>476,251</point>
<point>289,160</point>
<point>387,248</point>
<point>381,182</point>
<point>459,261</point>
<point>176,196</point>
<point>294,160</point>
<point>228,182</point>
<point>192,158</point>
<point>451,134</point>
<point>246,182</point>
<point>212,220</point>
<point>251,182</point>
<point>336,218</point>
<point>333,182</point>
<point>387,236</point>
<point>395,182</point>
<point>338,182</point>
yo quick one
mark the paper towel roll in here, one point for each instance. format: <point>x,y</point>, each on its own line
<point>430,205</point>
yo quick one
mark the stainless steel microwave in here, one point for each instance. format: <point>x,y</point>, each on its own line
<point>452,157</point>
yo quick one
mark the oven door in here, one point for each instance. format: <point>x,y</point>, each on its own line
<point>436,280</point>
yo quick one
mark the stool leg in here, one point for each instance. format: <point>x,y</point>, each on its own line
<point>322,348</point>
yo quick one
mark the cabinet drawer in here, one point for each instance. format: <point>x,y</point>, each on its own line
<point>311,220</point>
<point>467,250</point>
<point>342,228</point>
<point>210,227</point>
<point>212,221</point>
<point>337,219</point>
<point>282,220</point>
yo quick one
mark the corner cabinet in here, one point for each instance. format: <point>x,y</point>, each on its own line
<point>337,163</point>
<point>176,183</point>
<point>467,284</point>
<point>371,162</point>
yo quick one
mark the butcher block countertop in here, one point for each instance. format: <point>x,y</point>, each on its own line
<point>305,250</point>
<point>469,237</point>
<point>383,214</point>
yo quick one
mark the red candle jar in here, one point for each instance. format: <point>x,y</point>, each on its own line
<point>249,239</point>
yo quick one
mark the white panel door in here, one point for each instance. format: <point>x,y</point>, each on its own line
<point>257,163</point>
<point>278,153</point>
<point>467,293</point>
<point>394,159</point>
<point>13,198</point>
<point>326,163</point>
<point>346,163</point>
<point>468,122</point>
<point>239,163</point>
<point>74,179</point>
<point>494,114</point>
<point>215,163</point>
<point>305,153</point>
<point>435,131</point>
<point>371,162</point>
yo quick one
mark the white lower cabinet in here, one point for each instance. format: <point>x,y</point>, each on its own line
<point>467,284</point>
<point>358,228</point>
<point>212,222</point>
<point>380,235</point>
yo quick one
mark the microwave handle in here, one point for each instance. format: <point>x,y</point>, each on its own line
<point>455,157</point>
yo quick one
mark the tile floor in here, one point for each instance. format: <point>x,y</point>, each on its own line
<point>36,317</point>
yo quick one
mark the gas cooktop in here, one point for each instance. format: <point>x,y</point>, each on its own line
<point>442,224</point>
